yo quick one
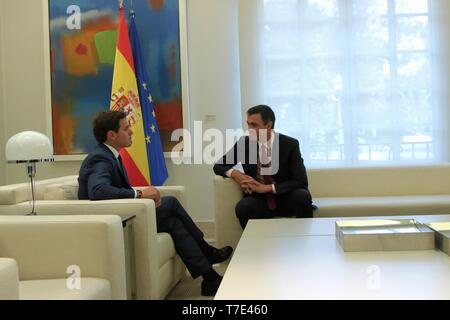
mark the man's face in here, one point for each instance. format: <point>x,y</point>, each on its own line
<point>122,138</point>
<point>258,131</point>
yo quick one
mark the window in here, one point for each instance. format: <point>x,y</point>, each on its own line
<point>352,79</point>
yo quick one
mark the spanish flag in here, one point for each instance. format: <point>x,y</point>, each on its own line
<point>125,97</point>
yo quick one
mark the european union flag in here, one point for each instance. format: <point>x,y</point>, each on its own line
<point>156,162</point>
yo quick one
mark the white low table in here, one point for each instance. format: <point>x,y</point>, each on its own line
<point>301,259</point>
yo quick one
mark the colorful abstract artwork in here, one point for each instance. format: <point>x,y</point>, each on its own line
<point>83,37</point>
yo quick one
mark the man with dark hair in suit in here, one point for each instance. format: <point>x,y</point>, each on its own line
<point>274,181</point>
<point>102,176</point>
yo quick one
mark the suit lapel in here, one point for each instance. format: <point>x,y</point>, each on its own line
<point>276,154</point>
<point>251,166</point>
<point>121,173</point>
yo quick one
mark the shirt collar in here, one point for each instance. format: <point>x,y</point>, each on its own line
<point>113,150</point>
<point>270,142</point>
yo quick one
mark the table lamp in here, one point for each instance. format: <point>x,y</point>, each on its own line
<point>29,147</point>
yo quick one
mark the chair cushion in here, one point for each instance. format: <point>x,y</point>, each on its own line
<point>166,248</point>
<point>62,191</point>
<point>382,206</point>
<point>56,289</point>
<point>379,181</point>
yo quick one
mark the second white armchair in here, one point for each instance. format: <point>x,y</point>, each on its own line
<point>62,257</point>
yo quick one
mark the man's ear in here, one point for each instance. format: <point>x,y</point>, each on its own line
<point>110,135</point>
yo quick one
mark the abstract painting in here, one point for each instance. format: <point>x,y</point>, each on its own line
<point>83,37</point>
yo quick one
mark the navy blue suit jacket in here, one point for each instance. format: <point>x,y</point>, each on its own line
<point>101,177</point>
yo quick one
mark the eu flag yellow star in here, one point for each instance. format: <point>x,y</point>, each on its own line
<point>144,85</point>
<point>150,99</point>
<point>154,114</point>
<point>147,139</point>
<point>153,128</point>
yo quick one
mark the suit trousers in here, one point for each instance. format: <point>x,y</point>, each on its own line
<point>296,203</point>
<point>187,237</point>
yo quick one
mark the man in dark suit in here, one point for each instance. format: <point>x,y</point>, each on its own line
<point>102,176</point>
<point>274,181</point>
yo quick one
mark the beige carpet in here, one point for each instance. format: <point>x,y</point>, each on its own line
<point>189,289</point>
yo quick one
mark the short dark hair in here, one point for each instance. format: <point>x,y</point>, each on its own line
<point>266,113</point>
<point>106,121</point>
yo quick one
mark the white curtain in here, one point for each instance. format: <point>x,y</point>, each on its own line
<point>358,82</point>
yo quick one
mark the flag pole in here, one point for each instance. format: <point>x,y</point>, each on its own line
<point>132,9</point>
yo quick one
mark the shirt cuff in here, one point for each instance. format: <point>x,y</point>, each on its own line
<point>229,172</point>
<point>273,189</point>
<point>135,193</point>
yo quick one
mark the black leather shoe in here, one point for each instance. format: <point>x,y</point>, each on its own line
<point>209,288</point>
<point>220,255</point>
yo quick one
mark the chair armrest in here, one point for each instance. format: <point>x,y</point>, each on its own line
<point>46,246</point>
<point>9,279</point>
<point>175,191</point>
<point>227,194</point>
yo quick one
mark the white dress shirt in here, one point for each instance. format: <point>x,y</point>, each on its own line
<point>268,153</point>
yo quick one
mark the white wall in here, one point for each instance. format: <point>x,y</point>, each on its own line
<point>213,80</point>
<point>214,89</point>
<point>251,62</point>
<point>23,68</point>
<point>2,117</point>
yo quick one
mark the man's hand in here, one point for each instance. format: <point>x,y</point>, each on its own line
<point>152,193</point>
<point>250,185</point>
<point>258,187</point>
<point>243,180</point>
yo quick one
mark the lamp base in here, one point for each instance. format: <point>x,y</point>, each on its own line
<point>31,170</point>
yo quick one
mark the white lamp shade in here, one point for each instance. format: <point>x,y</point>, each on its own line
<point>29,146</point>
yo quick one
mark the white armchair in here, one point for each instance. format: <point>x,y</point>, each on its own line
<point>9,279</point>
<point>157,266</point>
<point>48,249</point>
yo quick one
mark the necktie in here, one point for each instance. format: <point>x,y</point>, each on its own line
<point>122,169</point>
<point>270,197</point>
<point>119,158</point>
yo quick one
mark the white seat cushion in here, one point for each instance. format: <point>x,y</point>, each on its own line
<point>56,289</point>
<point>374,206</point>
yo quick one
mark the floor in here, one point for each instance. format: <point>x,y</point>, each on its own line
<point>189,289</point>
